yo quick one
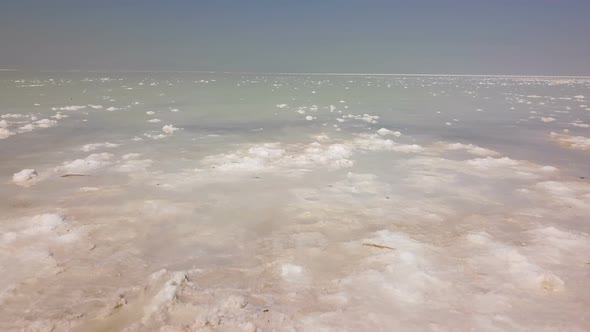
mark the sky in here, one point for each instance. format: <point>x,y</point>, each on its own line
<point>521,37</point>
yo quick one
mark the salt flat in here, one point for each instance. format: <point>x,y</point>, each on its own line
<point>178,201</point>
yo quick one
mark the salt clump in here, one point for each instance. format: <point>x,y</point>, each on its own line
<point>574,142</point>
<point>94,146</point>
<point>384,132</point>
<point>169,129</point>
<point>24,176</point>
<point>5,133</point>
<point>92,162</point>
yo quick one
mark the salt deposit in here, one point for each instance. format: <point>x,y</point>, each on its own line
<point>24,176</point>
<point>91,163</point>
<point>275,208</point>
<point>5,133</point>
<point>94,146</point>
<point>573,142</point>
<point>384,132</point>
<point>169,129</point>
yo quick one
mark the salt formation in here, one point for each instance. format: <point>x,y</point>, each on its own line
<point>573,142</point>
<point>94,146</point>
<point>384,132</point>
<point>169,129</point>
<point>5,133</point>
<point>332,225</point>
<point>25,176</point>
<point>90,163</point>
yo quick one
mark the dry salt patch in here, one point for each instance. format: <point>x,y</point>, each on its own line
<point>45,123</point>
<point>25,177</point>
<point>169,294</point>
<point>509,266</point>
<point>292,272</point>
<point>385,132</point>
<point>273,156</point>
<point>572,142</point>
<point>558,246</point>
<point>31,249</point>
<point>68,108</point>
<point>5,133</point>
<point>365,117</point>
<point>12,116</point>
<point>562,194</point>
<point>156,137</point>
<point>169,129</point>
<point>303,157</point>
<point>469,148</point>
<point>86,165</point>
<point>94,146</point>
<point>375,142</point>
<point>488,167</point>
<point>397,273</point>
<point>59,116</point>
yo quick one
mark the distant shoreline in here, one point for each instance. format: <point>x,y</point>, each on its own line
<point>302,73</point>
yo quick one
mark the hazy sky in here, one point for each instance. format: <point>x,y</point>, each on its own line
<point>464,37</point>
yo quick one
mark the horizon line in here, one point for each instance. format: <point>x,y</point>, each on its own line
<point>298,73</point>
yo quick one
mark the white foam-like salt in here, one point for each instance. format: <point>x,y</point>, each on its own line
<point>470,148</point>
<point>384,132</point>
<point>291,272</point>
<point>5,133</point>
<point>24,176</point>
<point>68,108</point>
<point>573,142</point>
<point>91,163</point>
<point>45,123</point>
<point>94,146</point>
<point>169,129</point>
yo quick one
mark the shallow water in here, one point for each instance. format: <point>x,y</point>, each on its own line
<point>293,202</point>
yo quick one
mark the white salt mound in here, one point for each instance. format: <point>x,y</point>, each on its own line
<point>92,162</point>
<point>384,131</point>
<point>45,123</point>
<point>94,146</point>
<point>5,133</point>
<point>169,129</point>
<point>24,176</point>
